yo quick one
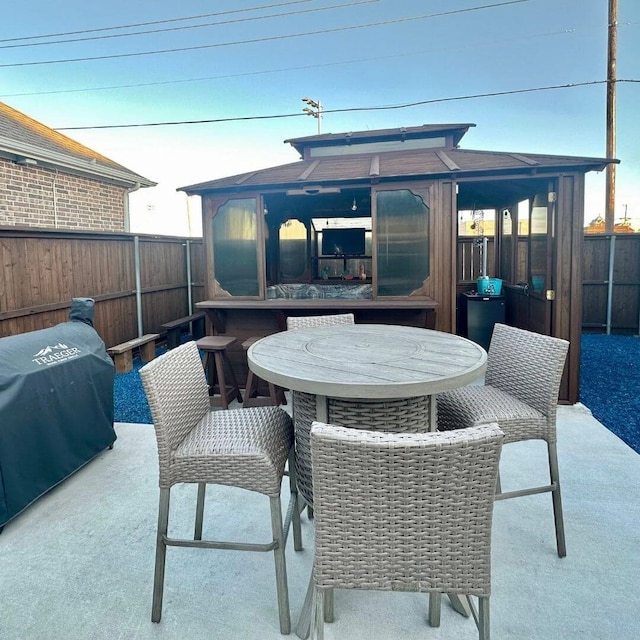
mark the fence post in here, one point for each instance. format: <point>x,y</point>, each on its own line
<point>136,262</point>
<point>188,260</point>
<point>612,257</point>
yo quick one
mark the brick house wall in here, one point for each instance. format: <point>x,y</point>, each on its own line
<point>32,196</point>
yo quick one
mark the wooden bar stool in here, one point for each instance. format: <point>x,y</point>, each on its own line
<point>221,392</point>
<point>251,394</point>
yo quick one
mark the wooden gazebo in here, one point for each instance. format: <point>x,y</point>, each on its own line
<point>367,221</point>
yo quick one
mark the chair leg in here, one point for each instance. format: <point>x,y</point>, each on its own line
<point>281,566</point>
<point>317,615</point>
<point>293,488</point>
<point>305,621</point>
<point>161,553</point>
<point>232,375</point>
<point>250,388</point>
<point>252,397</point>
<point>217,356</point>
<point>460,604</point>
<point>435,602</point>
<point>273,393</point>
<point>557,499</point>
<point>484,628</point>
<point>197,534</point>
<point>328,605</point>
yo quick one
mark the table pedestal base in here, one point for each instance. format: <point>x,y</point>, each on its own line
<point>411,415</point>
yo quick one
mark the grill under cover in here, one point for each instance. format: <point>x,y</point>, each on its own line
<point>56,406</point>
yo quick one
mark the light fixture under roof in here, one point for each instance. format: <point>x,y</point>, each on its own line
<point>354,206</point>
<point>28,162</point>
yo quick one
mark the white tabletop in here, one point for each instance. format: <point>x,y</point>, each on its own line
<point>367,361</point>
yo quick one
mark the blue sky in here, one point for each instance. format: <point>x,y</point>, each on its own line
<point>261,57</point>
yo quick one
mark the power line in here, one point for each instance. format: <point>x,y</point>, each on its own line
<point>193,26</point>
<point>267,39</point>
<point>470,45</point>
<point>146,24</point>
<point>348,109</point>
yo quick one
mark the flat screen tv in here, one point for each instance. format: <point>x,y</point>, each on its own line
<point>343,242</point>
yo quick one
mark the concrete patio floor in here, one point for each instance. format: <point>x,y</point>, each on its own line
<point>78,564</point>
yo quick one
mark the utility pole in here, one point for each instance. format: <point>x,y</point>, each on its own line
<point>610,188</point>
<point>314,109</point>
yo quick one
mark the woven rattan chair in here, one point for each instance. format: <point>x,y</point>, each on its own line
<point>245,448</point>
<point>423,505</point>
<point>308,322</point>
<point>520,393</point>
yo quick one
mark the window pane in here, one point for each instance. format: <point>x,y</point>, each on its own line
<point>507,246</point>
<point>293,250</point>
<point>538,243</point>
<point>377,147</point>
<point>403,242</point>
<point>235,233</point>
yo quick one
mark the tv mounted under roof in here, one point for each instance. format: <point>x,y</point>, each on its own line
<point>343,242</point>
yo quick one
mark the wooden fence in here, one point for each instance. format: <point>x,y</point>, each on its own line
<point>611,283</point>
<point>138,282</point>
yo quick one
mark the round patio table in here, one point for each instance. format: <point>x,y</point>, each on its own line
<point>367,376</point>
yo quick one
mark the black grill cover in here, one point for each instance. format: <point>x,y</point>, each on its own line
<point>56,406</point>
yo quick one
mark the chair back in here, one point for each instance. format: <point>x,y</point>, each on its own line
<point>308,322</point>
<point>404,511</point>
<point>528,366</point>
<point>176,388</point>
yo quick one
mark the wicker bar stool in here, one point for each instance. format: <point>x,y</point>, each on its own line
<point>251,393</point>
<point>408,483</point>
<point>221,390</point>
<point>247,449</point>
<point>308,322</point>
<point>524,370</point>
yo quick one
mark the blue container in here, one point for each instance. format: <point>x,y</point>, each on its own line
<point>489,286</point>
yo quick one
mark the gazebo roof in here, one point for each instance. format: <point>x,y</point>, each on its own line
<point>359,169</point>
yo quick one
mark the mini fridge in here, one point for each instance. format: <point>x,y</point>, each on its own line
<point>478,315</point>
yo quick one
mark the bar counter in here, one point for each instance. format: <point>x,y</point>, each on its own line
<point>224,313</point>
<point>247,318</point>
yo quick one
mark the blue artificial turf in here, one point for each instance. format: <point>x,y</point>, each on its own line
<point>610,383</point>
<point>609,386</point>
<point>129,401</point>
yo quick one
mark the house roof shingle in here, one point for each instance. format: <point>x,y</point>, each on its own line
<point>24,137</point>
